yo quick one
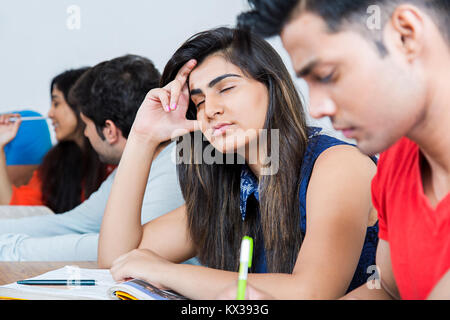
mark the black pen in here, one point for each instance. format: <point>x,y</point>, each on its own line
<point>58,282</point>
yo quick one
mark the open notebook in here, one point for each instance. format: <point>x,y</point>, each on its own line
<point>105,289</point>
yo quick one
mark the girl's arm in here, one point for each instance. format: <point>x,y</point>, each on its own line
<point>121,228</point>
<point>155,123</point>
<point>5,184</point>
<point>8,131</point>
<point>338,214</point>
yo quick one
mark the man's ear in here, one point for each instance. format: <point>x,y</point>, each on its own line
<point>407,30</point>
<point>111,132</point>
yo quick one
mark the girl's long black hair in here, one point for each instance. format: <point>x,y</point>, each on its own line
<point>212,192</point>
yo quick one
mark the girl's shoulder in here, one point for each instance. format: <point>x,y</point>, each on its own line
<point>319,141</point>
<point>325,154</point>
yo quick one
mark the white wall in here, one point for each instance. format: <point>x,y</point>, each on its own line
<point>40,39</point>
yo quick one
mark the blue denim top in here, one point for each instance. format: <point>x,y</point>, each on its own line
<point>317,144</point>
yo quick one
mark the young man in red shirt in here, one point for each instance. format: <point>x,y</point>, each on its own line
<point>380,70</point>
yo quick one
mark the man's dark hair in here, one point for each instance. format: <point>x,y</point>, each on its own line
<point>114,90</point>
<point>268,17</point>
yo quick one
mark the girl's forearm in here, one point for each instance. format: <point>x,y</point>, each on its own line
<point>5,184</point>
<point>197,282</point>
<point>121,229</point>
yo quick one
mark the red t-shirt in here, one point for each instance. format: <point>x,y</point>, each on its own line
<point>418,235</point>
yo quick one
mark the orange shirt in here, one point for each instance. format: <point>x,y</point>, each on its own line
<point>31,195</point>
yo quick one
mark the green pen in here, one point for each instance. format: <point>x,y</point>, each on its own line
<point>245,263</point>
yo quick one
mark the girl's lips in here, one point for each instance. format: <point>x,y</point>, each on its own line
<point>220,130</point>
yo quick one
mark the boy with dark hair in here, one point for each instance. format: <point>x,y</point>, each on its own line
<point>112,89</point>
<point>109,96</point>
<point>379,69</point>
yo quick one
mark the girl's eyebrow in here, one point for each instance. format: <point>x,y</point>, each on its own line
<point>213,82</point>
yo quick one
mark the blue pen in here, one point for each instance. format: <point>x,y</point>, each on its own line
<point>57,282</point>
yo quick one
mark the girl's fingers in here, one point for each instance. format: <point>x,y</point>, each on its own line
<point>11,115</point>
<point>5,119</point>
<point>116,270</point>
<point>192,125</point>
<point>116,273</point>
<point>184,96</point>
<point>175,90</point>
<point>178,85</point>
<point>160,95</point>
<point>170,94</point>
<point>163,96</point>
<point>185,70</point>
<point>16,124</point>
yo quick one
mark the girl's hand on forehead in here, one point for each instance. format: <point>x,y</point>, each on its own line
<point>178,88</point>
<point>162,115</point>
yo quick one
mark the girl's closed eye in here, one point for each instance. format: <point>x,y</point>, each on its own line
<point>220,91</point>
<point>226,89</point>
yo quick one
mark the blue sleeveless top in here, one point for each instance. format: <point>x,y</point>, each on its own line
<point>317,144</point>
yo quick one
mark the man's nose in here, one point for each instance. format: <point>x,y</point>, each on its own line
<point>321,106</point>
